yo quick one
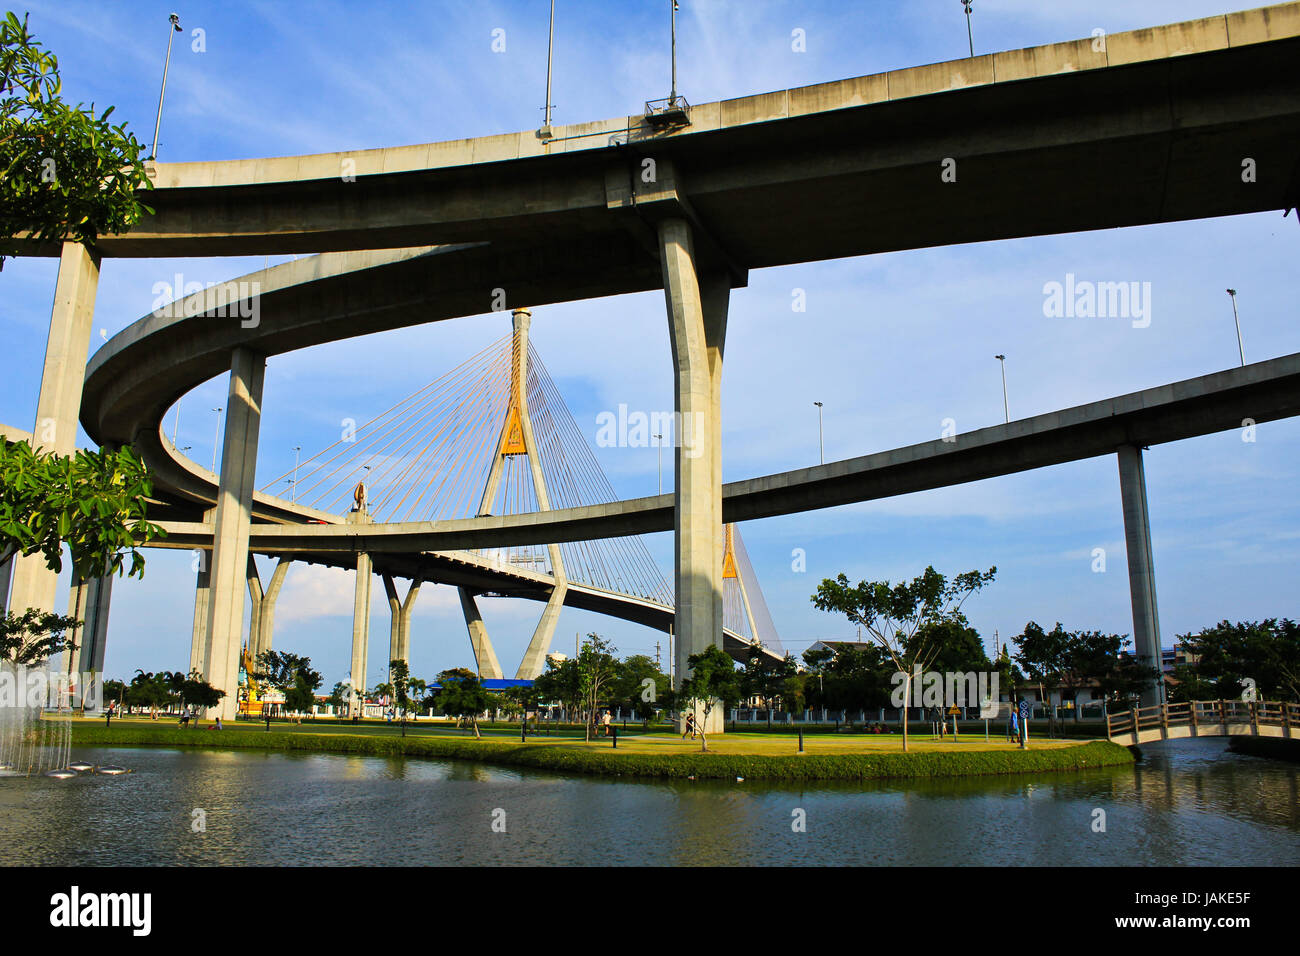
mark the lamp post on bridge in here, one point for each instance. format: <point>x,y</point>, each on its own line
<point>821,445</point>
<point>175,22</point>
<point>297,453</point>
<point>659,443</point>
<point>1240,348</point>
<point>1006,409</point>
<point>216,434</point>
<point>970,38</point>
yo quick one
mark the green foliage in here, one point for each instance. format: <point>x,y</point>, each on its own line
<point>630,691</point>
<point>65,173</point>
<point>33,637</point>
<point>94,502</point>
<point>909,620</point>
<point>338,697</point>
<point>1228,655</point>
<point>849,679</point>
<point>596,669</point>
<point>769,679</point>
<point>292,674</point>
<point>612,762</point>
<point>713,681</point>
<point>461,695</point>
<point>560,683</point>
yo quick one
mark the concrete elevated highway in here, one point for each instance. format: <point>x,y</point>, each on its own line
<point>1149,126</point>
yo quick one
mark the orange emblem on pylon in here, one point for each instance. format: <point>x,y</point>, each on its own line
<point>514,444</point>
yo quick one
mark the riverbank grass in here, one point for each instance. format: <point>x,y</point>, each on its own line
<point>752,756</point>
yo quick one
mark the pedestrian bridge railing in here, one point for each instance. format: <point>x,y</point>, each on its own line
<point>1204,718</point>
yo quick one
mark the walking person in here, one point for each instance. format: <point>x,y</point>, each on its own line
<point>605,722</point>
<point>690,727</point>
<point>1013,725</point>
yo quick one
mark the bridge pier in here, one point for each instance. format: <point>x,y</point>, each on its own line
<point>266,620</point>
<point>59,404</point>
<point>1141,570</point>
<point>89,603</point>
<point>229,565</point>
<point>484,654</point>
<point>360,624</point>
<point>202,596</point>
<point>697,321</point>
<point>255,597</point>
<point>400,611</point>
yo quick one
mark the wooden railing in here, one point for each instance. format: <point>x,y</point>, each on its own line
<point>1214,715</point>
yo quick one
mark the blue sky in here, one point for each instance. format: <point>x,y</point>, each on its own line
<point>892,344</point>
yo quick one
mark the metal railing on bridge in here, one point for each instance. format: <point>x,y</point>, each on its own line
<point>1204,718</point>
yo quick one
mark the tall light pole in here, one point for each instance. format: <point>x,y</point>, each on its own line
<point>821,446</point>
<point>659,441</point>
<point>672,96</point>
<point>966,5</point>
<point>215,433</point>
<point>1240,348</point>
<point>175,28</point>
<point>177,423</point>
<point>297,451</point>
<point>1006,409</point>
<point>550,50</point>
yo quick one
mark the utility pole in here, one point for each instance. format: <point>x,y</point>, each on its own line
<point>1006,409</point>
<point>1240,348</point>
<point>175,22</point>
<point>821,446</point>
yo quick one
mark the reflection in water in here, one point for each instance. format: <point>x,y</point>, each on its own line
<point>1187,802</point>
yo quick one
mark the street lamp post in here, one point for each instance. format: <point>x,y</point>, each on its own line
<point>966,5</point>
<point>672,96</point>
<point>1006,409</point>
<point>659,443</point>
<point>1240,348</point>
<point>550,49</point>
<point>297,451</point>
<point>821,445</point>
<point>175,22</point>
<point>216,432</point>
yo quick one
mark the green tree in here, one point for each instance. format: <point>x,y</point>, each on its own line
<point>33,637</point>
<point>338,697</point>
<point>596,669</point>
<point>65,173</point>
<point>292,675</point>
<point>460,695</point>
<point>1232,658</point>
<point>560,683</point>
<point>632,691</point>
<point>196,692</point>
<point>713,683</point>
<point>895,615</point>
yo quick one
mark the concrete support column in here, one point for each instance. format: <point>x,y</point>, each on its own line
<point>484,655</point>
<point>394,617</point>
<point>59,403</point>
<point>266,632</point>
<point>697,314</point>
<point>1141,570</point>
<point>202,594</point>
<point>229,563</point>
<point>6,576</point>
<point>255,606</point>
<point>360,632</point>
<point>88,602</point>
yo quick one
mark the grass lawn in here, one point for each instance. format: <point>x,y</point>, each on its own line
<point>632,741</point>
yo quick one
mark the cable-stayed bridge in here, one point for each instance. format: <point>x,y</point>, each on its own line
<point>493,436</point>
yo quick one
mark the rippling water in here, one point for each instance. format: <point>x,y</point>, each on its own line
<point>1188,802</point>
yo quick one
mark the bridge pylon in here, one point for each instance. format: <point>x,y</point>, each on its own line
<point>516,439</point>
